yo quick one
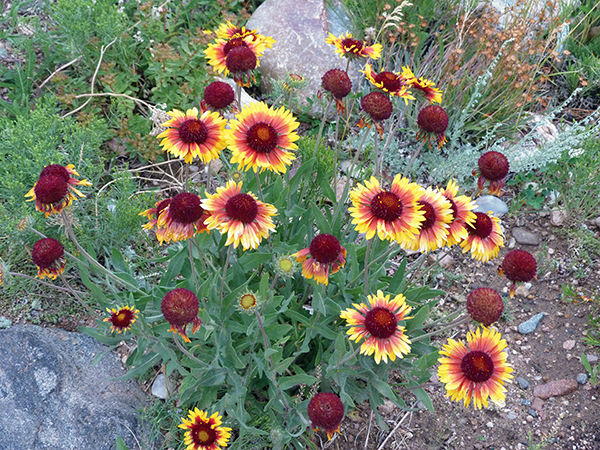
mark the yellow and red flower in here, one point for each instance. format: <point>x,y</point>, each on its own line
<point>426,87</point>
<point>189,136</point>
<point>217,53</point>
<point>242,216</point>
<point>349,47</point>
<point>392,214</point>
<point>121,319</point>
<point>54,190</point>
<point>152,215</point>
<point>485,237</point>
<point>228,31</point>
<point>476,371</point>
<point>203,432</point>
<point>327,256</point>
<point>326,410</point>
<point>462,214</point>
<point>48,255</point>
<point>261,138</point>
<point>395,84</point>
<point>180,307</point>
<point>378,323</point>
<point>433,231</point>
<point>180,219</point>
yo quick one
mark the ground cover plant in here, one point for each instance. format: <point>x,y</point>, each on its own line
<point>278,297</point>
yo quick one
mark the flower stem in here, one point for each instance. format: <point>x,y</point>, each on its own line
<point>238,96</point>
<point>367,266</point>
<point>413,158</point>
<point>322,126</point>
<point>224,274</point>
<point>70,255</point>
<point>192,265</point>
<point>385,255</point>
<point>449,326</point>
<point>345,360</point>
<point>70,290</point>
<point>260,194</point>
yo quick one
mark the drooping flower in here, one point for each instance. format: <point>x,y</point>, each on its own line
<point>518,266</point>
<point>485,237</point>
<point>493,167</point>
<point>432,121</point>
<point>261,138</point>
<point>378,323</point>
<point>476,371</point>
<point>248,302</point>
<point>378,107</point>
<point>433,231</point>
<point>121,319</point>
<point>152,215</point>
<point>241,62</point>
<point>326,411</point>
<point>203,432</point>
<point>180,307</point>
<point>54,190</point>
<point>180,218</point>
<point>339,84</point>
<point>462,214</point>
<point>394,84</point>
<point>218,95</point>
<point>189,136</point>
<point>48,255</point>
<point>423,86</point>
<point>242,216</point>
<point>349,47</point>
<point>485,305</point>
<point>324,256</point>
<point>392,214</point>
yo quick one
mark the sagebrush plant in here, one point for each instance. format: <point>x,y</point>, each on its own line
<point>279,269</point>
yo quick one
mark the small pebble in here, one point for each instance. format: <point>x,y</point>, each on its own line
<point>526,402</point>
<point>581,378</point>
<point>592,359</point>
<point>511,415</point>
<point>532,413</point>
<point>490,424</point>
<point>523,383</point>
<point>529,419</point>
<point>530,325</point>
<point>569,345</point>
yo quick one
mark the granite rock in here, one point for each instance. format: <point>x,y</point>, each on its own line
<point>526,237</point>
<point>52,397</point>
<point>556,388</point>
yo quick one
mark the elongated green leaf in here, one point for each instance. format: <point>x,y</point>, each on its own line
<point>175,265</point>
<point>398,280</point>
<point>295,380</point>
<point>418,319</point>
<point>120,444</point>
<point>424,398</point>
<point>323,224</point>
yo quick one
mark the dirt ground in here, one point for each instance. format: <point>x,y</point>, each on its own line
<point>551,352</point>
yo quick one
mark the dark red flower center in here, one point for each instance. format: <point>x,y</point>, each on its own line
<point>326,410</point>
<point>377,105</point>
<point>240,59</point>
<point>381,322</point>
<point>123,318</point>
<point>325,248</point>
<point>477,366</point>
<point>262,137</point>
<point>519,265</point>
<point>180,306</point>
<point>242,207</point>
<point>46,252</point>
<point>433,119</point>
<point>493,165</point>
<point>185,208</point>
<point>430,215</point>
<point>234,43</point>
<point>390,81</point>
<point>51,189</point>
<point>337,82</point>
<point>352,45</point>
<point>57,170</point>
<point>203,434</point>
<point>386,206</point>
<point>219,95</point>
<point>482,227</point>
<point>193,131</point>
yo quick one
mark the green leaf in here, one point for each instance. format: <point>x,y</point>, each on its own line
<point>416,323</point>
<point>305,168</point>
<point>251,260</point>
<point>263,286</point>
<point>323,225</point>
<point>398,280</point>
<point>298,317</point>
<point>212,377</point>
<point>295,380</point>
<point>424,398</point>
<point>94,289</point>
<point>118,261</point>
<point>120,444</point>
<point>175,265</point>
<point>281,366</point>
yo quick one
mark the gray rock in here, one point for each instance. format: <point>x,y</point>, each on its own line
<point>556,388</point>
<point>532,413</point>
<point>487,203</point>
<point>523,383</point>
<point>299,29</point>
<point>592,359</point>
<point>161,389</point>
<point>582,378</point>
<point>511,415</point>
<point>569,345</point>
<point>526,402</point>
<point>558,217</point>
<point>530,325</point>
<point>596,222</point>
<point>53,398</point>
<point>526,237</point>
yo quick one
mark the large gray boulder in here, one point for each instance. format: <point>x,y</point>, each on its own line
<point>51,397</point>
<point>299,28</point>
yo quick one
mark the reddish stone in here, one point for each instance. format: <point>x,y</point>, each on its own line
<point>556,388</point>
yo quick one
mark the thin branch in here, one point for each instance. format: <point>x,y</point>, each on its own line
<point>56,71</point>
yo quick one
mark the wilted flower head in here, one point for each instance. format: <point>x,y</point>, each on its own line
<point>326,411</point>
<point>377,105</point>
<point>180,307</point>
<point>218,95</point>
<point>55,189</point>
<point>326,256</point>
<point>493,167</point>
<point>48,255</point>
<point>518,265</point>
<point>485,305</point>
<point>339,84</point>
<point>432,120</point>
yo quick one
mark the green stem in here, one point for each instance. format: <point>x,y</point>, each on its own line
<point>193,266</point>
<point>224,274</point>
<point>208,175</point>
<point>69,290</point>
<point>81,301</point>
<point>444,319</point>
<point>449,326</point>
<point>413,158</point>
<point>260,194</point>
<point>367,266</point>
<point>322,126</point>
<point>345,360</point>
<point>92,261</point>
<point>187,353</point>
<point>238,95</point>
<point>70,255</point>
<point>384,255</point>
